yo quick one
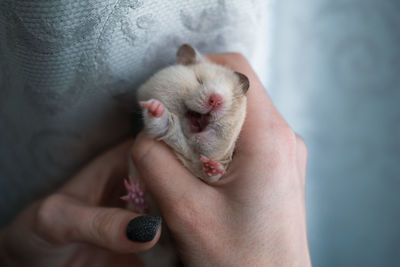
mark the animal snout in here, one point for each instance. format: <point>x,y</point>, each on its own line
<point>215,101</point>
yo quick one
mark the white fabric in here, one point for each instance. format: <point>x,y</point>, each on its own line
<point>69,70</point>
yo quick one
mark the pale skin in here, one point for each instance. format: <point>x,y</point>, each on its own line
<point>253,216</point>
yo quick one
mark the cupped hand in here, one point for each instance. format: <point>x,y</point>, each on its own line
<point>83,223</point>
<point>253,216</point>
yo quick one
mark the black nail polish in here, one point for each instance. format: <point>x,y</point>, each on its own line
<point>143,228</point>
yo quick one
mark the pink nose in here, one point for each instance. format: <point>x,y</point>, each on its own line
<point>215,100</point>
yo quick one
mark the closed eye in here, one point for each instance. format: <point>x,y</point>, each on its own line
<point>200,81</point>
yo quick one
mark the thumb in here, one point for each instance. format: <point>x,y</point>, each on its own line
<point>163,174</point>
<point>62,219</point>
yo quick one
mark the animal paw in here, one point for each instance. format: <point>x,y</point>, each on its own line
<point>211,167</point>
<point>154,107</point>
<point>135,195</point>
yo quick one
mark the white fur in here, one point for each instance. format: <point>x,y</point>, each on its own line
<point>178,88</point>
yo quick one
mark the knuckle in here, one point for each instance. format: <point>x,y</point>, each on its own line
<point>285,137</point>
<point>46,210</point>
<point>48,215</point>
<point>301,146</point>
<point>284,145</point>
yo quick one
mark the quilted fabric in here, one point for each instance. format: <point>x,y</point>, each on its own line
<point>69,70</point>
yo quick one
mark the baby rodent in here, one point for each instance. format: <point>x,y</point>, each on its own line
<point>198,108</point>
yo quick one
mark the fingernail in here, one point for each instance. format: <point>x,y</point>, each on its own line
<point>143,228</point>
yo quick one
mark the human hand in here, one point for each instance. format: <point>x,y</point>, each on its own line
<point>81,224</point>
<point>253,216</point>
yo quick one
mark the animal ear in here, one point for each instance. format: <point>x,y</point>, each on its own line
<point>187,55</point>
<point>243,81</point>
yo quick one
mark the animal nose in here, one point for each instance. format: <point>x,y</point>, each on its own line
<point>215,101</point>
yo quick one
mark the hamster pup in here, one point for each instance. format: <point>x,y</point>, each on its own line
<point>198,108</point>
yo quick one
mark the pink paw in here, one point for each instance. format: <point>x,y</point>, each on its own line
<point>154,107</point>
<point>135,195</point>
<point>211,167</point>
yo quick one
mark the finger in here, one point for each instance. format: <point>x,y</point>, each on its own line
<point>62,219</point>
<point>264,127</point>
<point>90,184</point>
<point>163,174</point>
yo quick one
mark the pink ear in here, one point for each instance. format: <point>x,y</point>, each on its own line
<point>243,81</point>
<point>186,55</point>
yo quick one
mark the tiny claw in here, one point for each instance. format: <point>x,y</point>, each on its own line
<point>154,107</point>
<point>211,167</point>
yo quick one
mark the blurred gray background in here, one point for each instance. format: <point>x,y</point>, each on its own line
<point>336,79</point>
